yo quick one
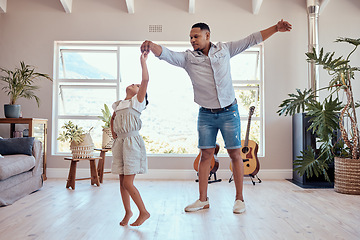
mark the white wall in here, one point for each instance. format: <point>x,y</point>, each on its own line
<point>29,28</point>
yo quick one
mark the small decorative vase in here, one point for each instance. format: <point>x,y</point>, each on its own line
<point>347,176</point>
<point>85,149</point>
<point>12,110</point>
<point>107,139</point>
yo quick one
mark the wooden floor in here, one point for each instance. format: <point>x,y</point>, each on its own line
<point>275,210</point>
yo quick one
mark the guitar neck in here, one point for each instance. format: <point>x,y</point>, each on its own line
<point>247,132</point>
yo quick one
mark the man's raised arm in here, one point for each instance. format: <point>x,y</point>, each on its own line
<point>148,46</point>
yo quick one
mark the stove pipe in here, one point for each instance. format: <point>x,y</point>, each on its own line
<point>313,7</point>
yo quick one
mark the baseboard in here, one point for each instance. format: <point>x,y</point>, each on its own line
<point>171,174</point>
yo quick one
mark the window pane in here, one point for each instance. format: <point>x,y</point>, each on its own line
<point>169,121</point>
<point>245,66</point>
<point>88,65</point>
<point>130,68</point>
<point>87,101</point>
<point>96,132</point>
<point>254,133</point>
<point>171,118</point>
<point>247,98</point>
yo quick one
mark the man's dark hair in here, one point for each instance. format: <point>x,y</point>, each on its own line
<point>202,26</point>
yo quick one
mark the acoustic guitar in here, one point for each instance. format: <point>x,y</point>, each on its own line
<point>214,165</point>
<point>249,151</point>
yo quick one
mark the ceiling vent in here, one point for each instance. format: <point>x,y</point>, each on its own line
<point>155,28</point>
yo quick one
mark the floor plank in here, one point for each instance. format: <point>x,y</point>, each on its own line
<point>275,210</point>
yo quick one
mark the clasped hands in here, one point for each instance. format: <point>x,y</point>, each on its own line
<point>146,46</point>
<point>283,26</point>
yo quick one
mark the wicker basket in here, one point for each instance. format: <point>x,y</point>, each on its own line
<point>107,139</point>
<point>347,176</point>
<point>85,149</point>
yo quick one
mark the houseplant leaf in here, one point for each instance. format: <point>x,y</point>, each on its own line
<point>324,117</point>
<point>106,116</point>
<point>296,103</point>
<point>309,164</point>
<point>19,83</point>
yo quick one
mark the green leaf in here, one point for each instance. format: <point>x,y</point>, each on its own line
<point>357,104</point>
<point>296,103</point>
<point>20,82</point>
<point>326,61</point>
<point>324,117</point>
<point>355,42</point>
<point>341,150</point>
<point>72,133</point>
<point>106,116</point>
<point>309,164</point>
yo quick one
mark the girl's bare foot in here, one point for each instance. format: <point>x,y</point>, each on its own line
<point>141,219</point>
<point>126,219</point>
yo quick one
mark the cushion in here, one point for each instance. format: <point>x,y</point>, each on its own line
<point>15,164</point>
<point>9,146</point>
<point>1,156</point>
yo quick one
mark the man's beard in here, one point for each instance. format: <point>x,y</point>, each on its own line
<point>198,49</point>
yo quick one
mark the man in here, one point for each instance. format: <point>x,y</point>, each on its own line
<point>208,66</point>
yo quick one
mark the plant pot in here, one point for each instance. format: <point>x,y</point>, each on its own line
<point>12,110</point>
<point>85,149</point>
<point>347,176</point>
<point>107,139</point>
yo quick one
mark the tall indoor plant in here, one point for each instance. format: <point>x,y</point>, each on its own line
<point>19,84</point>
<point>326,117</point>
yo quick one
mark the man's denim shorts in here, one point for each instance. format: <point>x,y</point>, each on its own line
<point>226,120</point>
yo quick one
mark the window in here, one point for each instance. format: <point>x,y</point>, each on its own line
<point>89,75</point>
<point>247,75</point>
<point>86,78</point>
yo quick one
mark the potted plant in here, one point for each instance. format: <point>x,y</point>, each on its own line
<point>19,84</point>
<point>81,144</point>
<point>107,139</point>
<point>326,117</point>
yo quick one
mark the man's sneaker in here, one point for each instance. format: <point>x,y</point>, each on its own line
<point>197,205</point>
<point>239,206</point>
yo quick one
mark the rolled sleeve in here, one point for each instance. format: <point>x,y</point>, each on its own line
<point>237,47</point>
<point>258,37</point>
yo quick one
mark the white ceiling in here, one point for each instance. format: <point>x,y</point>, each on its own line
<point>256,5</point>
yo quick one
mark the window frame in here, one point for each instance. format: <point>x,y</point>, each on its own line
<point>260,82</point>
<point>116,82</point>
<point>75,83</point>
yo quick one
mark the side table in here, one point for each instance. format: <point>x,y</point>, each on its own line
<point>72,171</point>
<point>101,162</point>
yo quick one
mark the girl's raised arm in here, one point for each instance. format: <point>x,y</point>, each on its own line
<point>145,77</point>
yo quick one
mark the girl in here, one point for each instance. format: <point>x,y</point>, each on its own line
<point>129,154</point>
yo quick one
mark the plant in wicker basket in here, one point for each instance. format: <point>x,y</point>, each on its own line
<point>81,144</point>
<point>107,139</point>
<point>326,118</point>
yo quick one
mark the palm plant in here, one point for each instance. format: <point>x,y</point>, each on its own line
<point>19,82</point>
<point>327,116</point>
<point>106,116</point>
<point>107,139</point>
